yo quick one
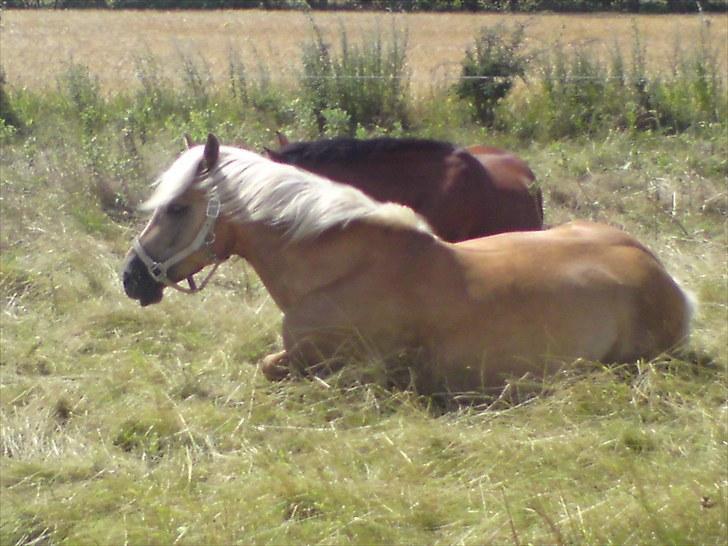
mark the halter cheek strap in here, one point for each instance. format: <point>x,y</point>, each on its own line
<point>203,241</point>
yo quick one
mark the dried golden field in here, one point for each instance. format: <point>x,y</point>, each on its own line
<point>35,46</point>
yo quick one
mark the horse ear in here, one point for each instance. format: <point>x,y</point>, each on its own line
<point>272,155</point>
<point>282,139</point>
<point>212,151</point>
<point>188,141</point>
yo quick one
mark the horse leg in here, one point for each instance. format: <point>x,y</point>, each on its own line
<point>316,355</point>
<point>311,355</point>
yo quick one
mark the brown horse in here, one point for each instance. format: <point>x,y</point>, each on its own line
<point>356,277</point>
<point>462,192</point>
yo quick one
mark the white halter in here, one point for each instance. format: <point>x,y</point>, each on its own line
<point>204,241</point>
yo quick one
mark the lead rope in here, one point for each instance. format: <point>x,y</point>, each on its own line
<point>193,285</point>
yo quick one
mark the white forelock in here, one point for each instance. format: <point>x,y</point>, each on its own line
<point>175,180</point>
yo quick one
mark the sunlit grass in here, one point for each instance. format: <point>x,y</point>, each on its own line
<point>153,425</point>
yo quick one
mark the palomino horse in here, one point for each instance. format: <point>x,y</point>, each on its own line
<point>351,274</point>
<point>462,192</point>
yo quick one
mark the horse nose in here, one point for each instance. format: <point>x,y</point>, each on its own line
<point>133,275</point>
<point>126,279</point>
<point>138,283</point>
<point>128,276</point>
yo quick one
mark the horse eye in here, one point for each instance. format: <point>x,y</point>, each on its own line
<point>176,209</point>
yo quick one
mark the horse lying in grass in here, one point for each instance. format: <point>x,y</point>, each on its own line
<point>463,193</point>
<point>354,276</point>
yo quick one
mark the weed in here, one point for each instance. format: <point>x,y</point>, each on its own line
<point>490,68</point>
<point>197,81</point>
<point>695,91</point>
<point>579,94</point>
<point>363,85</point>
<point>83,93</point>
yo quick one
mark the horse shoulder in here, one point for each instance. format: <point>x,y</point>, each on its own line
<point>371,271</point>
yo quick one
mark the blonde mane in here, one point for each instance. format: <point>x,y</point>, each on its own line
<point>253,188</point>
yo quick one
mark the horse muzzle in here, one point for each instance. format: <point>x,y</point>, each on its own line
<point>138,283</point>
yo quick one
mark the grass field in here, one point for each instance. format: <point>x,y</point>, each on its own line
<point>123,425</point>
<point>37,46</point>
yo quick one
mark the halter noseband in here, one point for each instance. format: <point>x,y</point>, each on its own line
<point>204,241</point>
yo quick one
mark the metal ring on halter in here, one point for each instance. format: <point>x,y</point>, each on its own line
<point>204,240</point>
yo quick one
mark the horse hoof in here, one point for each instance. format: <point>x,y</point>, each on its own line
<point>276,367</point>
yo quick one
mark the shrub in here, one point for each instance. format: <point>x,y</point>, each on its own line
<point>578,94</point>
<point>695,91</point>
<point>367,82</point>
<point>257,93</point>
<point>490,68</point>
<point>8,118</point>
<point>197,81</point>
<point>83,96</point>
<point>576,85</point>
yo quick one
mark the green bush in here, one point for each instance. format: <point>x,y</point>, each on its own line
<point>579,91</point>
<point>83,96</point>
<point>256,93</point>
<point>368,82</point>
<point>490,68</point>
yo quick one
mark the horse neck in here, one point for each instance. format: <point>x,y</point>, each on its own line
<point>291,270</point>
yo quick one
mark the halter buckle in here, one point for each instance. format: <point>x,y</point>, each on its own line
<point>213,207</point>
<point>156,270</point>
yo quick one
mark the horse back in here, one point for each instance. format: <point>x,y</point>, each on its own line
<point>411,172</point>
<point>588,276</point>
<point>462,196</point>
<point>511,175</point>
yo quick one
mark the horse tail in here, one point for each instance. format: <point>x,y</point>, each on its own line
<point>677,317</point>
<point>691,308</point>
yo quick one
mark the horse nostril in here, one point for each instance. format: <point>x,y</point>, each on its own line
<point>130,277</point>
<point>127,280</point>
<point>137,282</point>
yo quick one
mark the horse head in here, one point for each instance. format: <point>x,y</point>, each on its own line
<point>183,235</point>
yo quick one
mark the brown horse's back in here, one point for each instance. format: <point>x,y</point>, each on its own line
<point>461,195</point>
<point>515,203</point>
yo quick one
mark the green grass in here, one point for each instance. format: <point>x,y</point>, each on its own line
<point>153,426</point>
